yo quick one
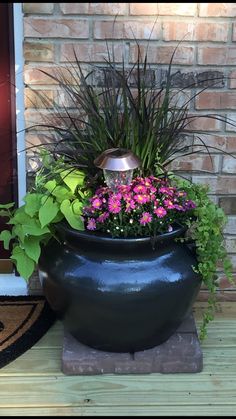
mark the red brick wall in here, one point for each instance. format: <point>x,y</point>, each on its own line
<point>208,49</point>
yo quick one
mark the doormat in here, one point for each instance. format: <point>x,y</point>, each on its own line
<point>23,321</point>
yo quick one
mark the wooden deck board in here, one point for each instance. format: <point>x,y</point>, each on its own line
<point>33,384</point>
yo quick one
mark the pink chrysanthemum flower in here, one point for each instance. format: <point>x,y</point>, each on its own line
<point>181,193</point>
<point>147,182</point>
<point>179,207</point>
<point>160,212</point>
<point>124,189</point>
<point>96,203</point>
<point>189,204</point>
<point>91,225</point>
<point>130,205</point>
<point>146,218</point>
<point>166,190</point>
<point>114,205</point>
<point>139,189</point>
<point>169,204</point>
<point>103,217</point>
<point>153,189</point>
<point>127,197</point>
<point>141,199</point>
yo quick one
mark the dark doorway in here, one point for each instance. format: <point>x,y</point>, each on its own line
<point>8,158</point>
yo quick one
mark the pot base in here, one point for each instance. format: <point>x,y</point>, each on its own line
<point>180,353</point>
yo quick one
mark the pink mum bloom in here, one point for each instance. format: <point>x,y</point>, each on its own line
<point>124,189</point>
<point>102,190</point>
<point>181,193</point>
<point>141,199</point>
<point>179,207</point>
<point>166,190</point>
<point>91,225</point>
<point>160,212</point>
<point>189,204</point>
<point>139,189</point>
<point>116,196</point>
<point>103,217</point>
<point>130,205</point>
<point>147,182</point>
<point>146,218</point>
<point>156,203</point>
<point>127,197</point>
<point>96,203</point>
<point>114,205</point>
<point>169,204</point>
<point>153,189</point>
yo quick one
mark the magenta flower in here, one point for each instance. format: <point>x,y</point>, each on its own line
<point>169,204</point>
<point>130,205</point>
<point>181,193</point>
<point>166,190</point>
<point>91,225</point>
<point>179,207</point>
<point>127,197</point>
<point>147,182</point>
<point>160,212</point>
<point>146,218</point>
<point>141,199</point>
<point>153,189</point>
<point>103,217</point>
<point>139,189</point>
<point>190,204</point>
<point>96,203</point>
<point>114,205</point>
<point>116,196</point>
<point>124,189</point>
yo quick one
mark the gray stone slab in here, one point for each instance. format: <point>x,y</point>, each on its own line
<point>181,353</point>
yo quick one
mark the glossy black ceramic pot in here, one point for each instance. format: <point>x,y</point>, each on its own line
<point>121,295</point>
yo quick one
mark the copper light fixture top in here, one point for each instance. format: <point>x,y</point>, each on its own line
<point>117,159</point>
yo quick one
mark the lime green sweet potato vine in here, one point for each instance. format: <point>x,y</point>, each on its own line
<point>62,196</point>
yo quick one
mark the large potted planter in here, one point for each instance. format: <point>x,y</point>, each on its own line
<point>121,295</point>
<point>119,286</point>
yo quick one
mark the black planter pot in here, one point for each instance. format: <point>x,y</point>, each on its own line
<point>119,295</point>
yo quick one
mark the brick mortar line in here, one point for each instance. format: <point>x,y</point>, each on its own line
<point>176,67</point>
<point>174,43</point>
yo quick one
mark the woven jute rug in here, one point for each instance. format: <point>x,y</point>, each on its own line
<point>23,321</point>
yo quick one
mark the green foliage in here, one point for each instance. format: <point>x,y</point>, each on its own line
<point>207,233</point>
<point>61,197</point>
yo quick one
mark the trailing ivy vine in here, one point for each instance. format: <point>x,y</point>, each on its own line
<point>206,231</point>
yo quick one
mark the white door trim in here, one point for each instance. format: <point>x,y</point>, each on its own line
<point>11,284</point>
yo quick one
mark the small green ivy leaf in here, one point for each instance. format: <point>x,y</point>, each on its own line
<point>73,219</point>
<point>24,264</point>
<point>50,185</point>
<point>4,213</point>
<point>33,203</point>
<point>7,206</point>
<point>5,236</point>
<point>32,247</point>
<point>48,210</point>
<point>20,217</point>
<point>72,178</point>
<point>34,228</point>
<point>17,231</point>
<point>77,207</point>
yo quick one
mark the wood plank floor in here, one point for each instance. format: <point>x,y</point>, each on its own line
<point>33,385</point>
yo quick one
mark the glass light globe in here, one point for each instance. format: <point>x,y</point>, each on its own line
<point>118,165</point>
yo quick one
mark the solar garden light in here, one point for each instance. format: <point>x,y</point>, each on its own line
<point>118,165</point>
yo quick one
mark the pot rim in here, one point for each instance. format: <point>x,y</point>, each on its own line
<point>97,236</point>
